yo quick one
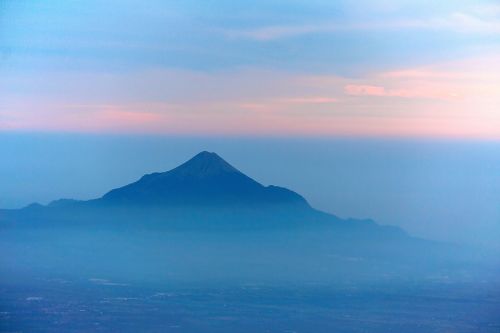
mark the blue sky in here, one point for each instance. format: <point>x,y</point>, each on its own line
<point>330,68</point>
<point>332,36</point>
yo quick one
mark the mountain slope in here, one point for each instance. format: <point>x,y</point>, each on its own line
<point>206,179</point>
<point>204,193</point>
<point>206,212</point>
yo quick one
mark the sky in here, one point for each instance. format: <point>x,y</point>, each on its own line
<point>381,109</point>
<point>263,68</point>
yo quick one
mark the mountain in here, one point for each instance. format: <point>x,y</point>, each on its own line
<point>206,219</point>
<point>206,179</point>
<point>204,193</point>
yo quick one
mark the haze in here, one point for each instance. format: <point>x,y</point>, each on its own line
<point>445,190</point>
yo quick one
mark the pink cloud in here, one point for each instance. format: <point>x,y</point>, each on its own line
<point>79,118</point>
<point>282,104</point>
<point>425,74</point>
<point>310,100</point>
<point>122,119</point>
<point>422,90</point>
<point>360,90</point>
<point>449,99</point>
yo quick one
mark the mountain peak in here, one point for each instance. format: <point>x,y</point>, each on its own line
<point>205,164</point>
<point>207,154</point>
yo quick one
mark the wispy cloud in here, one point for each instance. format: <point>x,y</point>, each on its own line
<point>309,100</point>
<point>421,91</point>
<point>446,99</point>
<point>79,117</point>
<point>478,20</point>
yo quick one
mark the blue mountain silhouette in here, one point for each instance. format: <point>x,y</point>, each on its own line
<point>206,203</point>
<point>206,179</point>
<point>206,192</point>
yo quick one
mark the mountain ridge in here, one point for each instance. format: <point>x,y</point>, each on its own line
<point>205,192</point>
